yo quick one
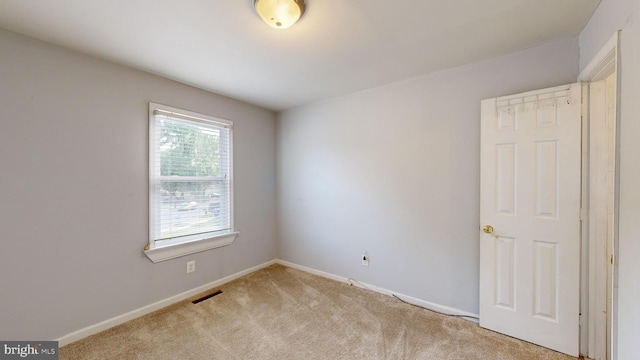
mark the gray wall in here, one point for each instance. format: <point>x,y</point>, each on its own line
<point>610,16</point>
<point>395,171</point>
<point>74,190</point>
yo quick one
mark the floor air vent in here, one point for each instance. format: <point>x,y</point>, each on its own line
<point>206,297</point>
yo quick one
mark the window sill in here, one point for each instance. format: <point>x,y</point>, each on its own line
<point>168,252</point>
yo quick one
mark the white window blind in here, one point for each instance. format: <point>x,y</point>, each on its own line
<point>190,176</point>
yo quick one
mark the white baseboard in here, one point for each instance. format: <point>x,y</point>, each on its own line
<point>120,319</point>
<point>409,299</point>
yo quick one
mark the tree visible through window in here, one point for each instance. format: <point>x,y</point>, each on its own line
<point>191,173</point>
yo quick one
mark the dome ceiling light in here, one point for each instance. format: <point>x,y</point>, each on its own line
<point>279,14</point>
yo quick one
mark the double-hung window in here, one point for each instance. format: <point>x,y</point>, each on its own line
<point>190,187</point>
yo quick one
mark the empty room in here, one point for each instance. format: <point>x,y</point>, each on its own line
<point>320,179</point>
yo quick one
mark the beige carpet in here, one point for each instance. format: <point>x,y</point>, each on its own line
<point>282,313</point>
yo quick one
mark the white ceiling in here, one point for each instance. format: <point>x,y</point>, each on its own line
<point>338,47</point>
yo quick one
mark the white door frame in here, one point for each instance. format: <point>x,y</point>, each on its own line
<point>601,66</point>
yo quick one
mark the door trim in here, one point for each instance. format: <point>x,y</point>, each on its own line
<point>606,62</point>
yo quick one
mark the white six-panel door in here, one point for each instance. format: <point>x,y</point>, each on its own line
<point>530,196</point>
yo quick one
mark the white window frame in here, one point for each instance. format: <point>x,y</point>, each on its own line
<point>161,250</point>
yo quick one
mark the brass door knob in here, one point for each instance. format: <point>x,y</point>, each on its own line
<point>488,229</point>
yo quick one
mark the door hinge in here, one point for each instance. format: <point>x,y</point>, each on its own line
<point>611,259</point>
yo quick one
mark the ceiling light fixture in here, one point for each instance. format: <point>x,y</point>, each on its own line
<point>279,14</point>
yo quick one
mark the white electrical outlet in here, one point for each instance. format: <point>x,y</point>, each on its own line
<point>365,259</point>
<point>191,266</point>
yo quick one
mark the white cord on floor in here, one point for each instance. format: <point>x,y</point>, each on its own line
<point>441,313</point>
<point>350,281</point>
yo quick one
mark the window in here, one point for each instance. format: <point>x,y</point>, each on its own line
<point>190,189</point>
